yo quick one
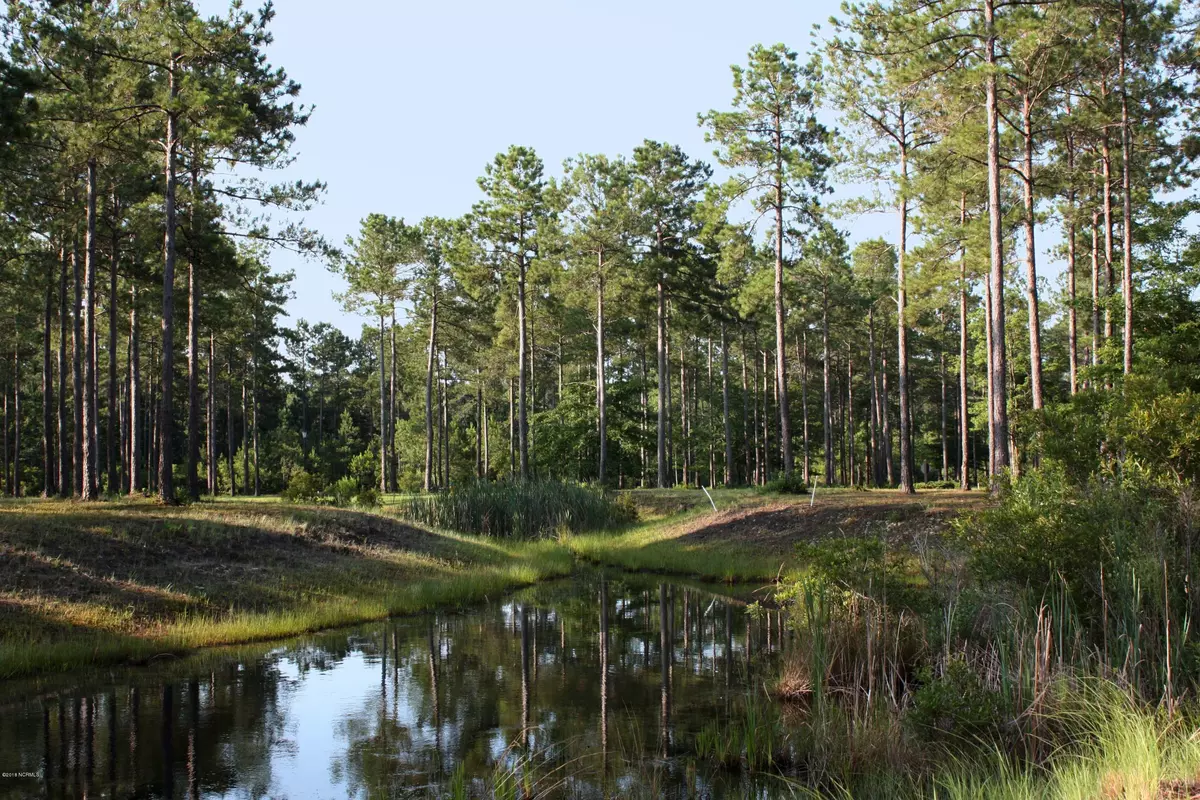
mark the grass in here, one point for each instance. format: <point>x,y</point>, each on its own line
<point>517,509</point>
<point>753,536</point>
<point>125,581</point>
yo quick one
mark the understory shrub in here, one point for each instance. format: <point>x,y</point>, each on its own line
<point>954,706</point>
<point>518,509</point>
<point>304,487</point>
<point>786,484</point>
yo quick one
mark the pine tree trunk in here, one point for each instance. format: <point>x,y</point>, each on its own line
<point>1106,169</point>
<point>48,454</point>
<point>663,397</point>
<point>135,384</point>
<point>785,417</point>
<point>512,430</point>
<point>211,435</point>
<point>446,415</point>
<point>758,453</point>
<point>886,414</point>
<point>193,353</point>
<point>78,348</point>
<point>827,423</point>
<point>1072,299</point>
<point>999,404</point>
<point>246,440</point>
<point>65,480</point>
<point>727,426</point>
<point>429,357</point>
<point>114,405</point>
<point>522,375</point>
<point>254,421</point>
<point>766,417</point>
<point>1035,322</point>
<point>16,457</point>
<point>601,379</point>
<point>876,439</point>
<point>906,435</point>
<point>1126,197</point>
<point>166,479</point>
<point>803,355</point>
<point>1095,357</point>
<point>644,396</point>
<point>229,444</point>
<point>748,477</point>
<point>478,425</point>
<point>383,421</point>
<point>850,413</point>
<point>394,461</point>
<point>88,420</point>
<point>945,440</point>
<point>964,420</point>
<point>684,419</point>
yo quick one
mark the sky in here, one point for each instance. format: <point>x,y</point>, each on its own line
<point>412,99</point>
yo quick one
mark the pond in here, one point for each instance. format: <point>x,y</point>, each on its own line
<point>592,687</point>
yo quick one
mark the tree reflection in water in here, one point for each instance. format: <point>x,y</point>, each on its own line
<point>399,707</point>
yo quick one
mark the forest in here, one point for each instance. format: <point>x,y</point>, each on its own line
<point>630,321</point>
<point>1019,357</point>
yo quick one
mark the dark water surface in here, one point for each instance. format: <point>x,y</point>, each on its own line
<point>440,705</point>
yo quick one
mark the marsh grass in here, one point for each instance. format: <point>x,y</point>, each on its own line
<point>128,581</point>
<point>516,509</point>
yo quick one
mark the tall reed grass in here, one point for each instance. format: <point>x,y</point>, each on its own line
<point>517,509</point>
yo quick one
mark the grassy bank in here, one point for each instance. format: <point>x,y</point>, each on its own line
<point>128,580</point>
<point>755,536</point>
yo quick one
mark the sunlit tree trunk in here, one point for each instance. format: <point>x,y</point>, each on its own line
<point>88,418</point>
<point>999,403</point>
<point>1126,197</point>
<point>429,358</point>
<point>727,422</point>
<point>1031,291</point>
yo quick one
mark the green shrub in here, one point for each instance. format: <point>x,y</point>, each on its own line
<point>954,706</point>
<point>786,484</point>
<point>518,509</point>
<point>367,498</point>
<point>938,485</point>
<point>342,492</point>
<point>304,487</point>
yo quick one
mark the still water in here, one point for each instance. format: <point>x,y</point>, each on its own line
<point>594,687</point>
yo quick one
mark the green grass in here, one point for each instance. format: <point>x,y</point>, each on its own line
<point>663,545</point>
<point>516,509</point>
<point>1123,750</point>
<point>125,581</point>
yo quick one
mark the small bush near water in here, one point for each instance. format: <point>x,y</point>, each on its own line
<point>519,509</point>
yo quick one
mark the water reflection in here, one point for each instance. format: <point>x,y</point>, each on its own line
<point>577,683</point>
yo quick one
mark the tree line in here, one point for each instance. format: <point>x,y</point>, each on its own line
<point>633,319</point>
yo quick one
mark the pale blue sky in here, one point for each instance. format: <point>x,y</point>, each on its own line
<point>413,99</point>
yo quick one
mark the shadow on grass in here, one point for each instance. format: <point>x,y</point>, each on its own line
<point>124,578</point>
